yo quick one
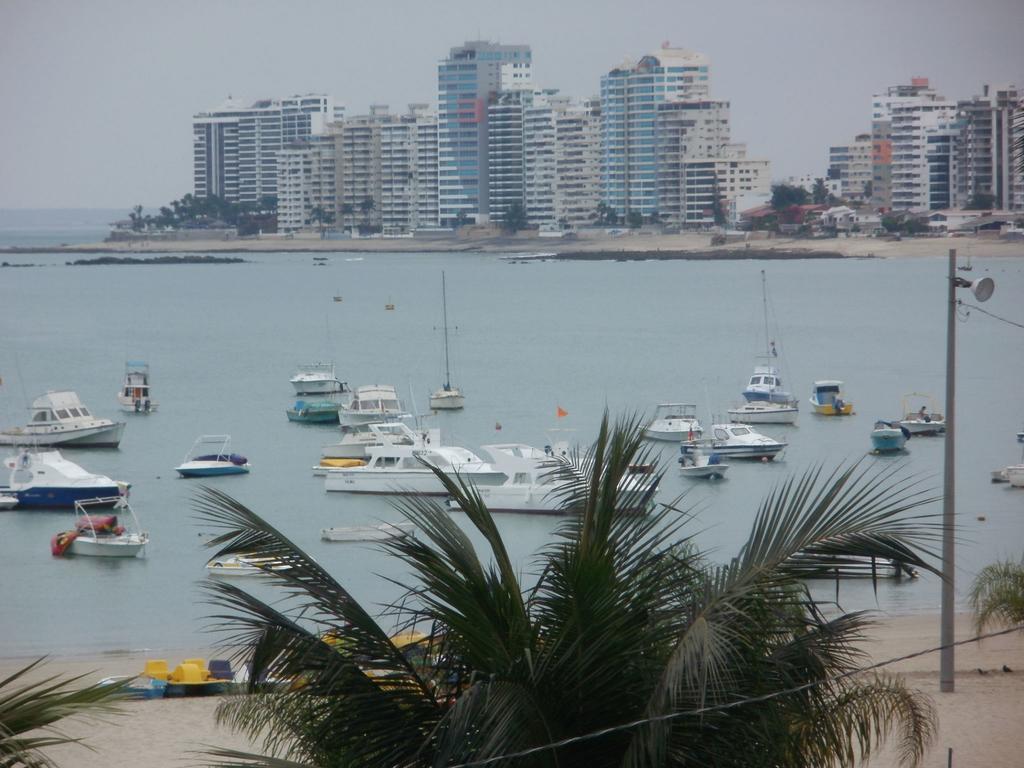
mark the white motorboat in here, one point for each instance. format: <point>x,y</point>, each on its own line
<point>398,467</point>
<point>1015,475</point>
<point>381,532</point>
<point>764,412</point>
<point>134,395</point>
<point>737,440</point>
<point>357,439</point>
<point>811,566</point>
<point>244,565</point>
<point>698,465</point>
<point>47,479</point>
<point>102,535</point>
<point>214,460</point>
<point>924,420</point>
<point>447,398</point>
<point>887,437</point>
<point>8,502</point>
<point>675,422</point>
<point>372,403</point>
<point>317,379</point>
<point>59,418</point>
<point>534,484</point>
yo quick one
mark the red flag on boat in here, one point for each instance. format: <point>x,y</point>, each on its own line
<point>561,412</point>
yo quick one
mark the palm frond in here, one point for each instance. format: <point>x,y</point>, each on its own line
<point>997,595</point>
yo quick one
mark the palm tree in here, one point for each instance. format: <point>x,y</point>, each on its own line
<point>626,620</point>
<point>34,707</point>
<point>997,595</point>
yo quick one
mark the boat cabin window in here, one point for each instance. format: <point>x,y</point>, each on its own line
<point>73,411</point>
<point>41,416</point>
<point>521,477</point>
<point>769,381</point>
<point>84,411</point>
<point>755,379</point>
<point>389,405</point>
<point>721,434</point>
<point>740,431</point>
<point>61,413</point>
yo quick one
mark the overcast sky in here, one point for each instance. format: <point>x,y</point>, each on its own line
<point>98,96</point>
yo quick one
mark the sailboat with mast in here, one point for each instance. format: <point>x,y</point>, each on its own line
<point>767,402</point>
<point>447,398</point>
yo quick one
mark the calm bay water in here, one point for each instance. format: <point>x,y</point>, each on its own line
<point>222,341</point>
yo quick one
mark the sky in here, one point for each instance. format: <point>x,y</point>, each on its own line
<point>98,96</point>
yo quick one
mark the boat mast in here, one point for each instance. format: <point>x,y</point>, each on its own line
<point>444,306</point>
<point>764,302</point>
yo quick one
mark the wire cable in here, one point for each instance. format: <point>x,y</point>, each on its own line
<point>991,314</point>
<point>730,705</point>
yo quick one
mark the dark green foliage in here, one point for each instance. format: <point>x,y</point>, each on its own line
<point>787,195</point>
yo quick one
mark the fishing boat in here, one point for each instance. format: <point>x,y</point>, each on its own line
<point>317,379</point>
<point>47,479</point>
<point>674,422</point>
<point>200,462</point>
<point>380,532</point>
<point>765,383</point>
<point>60,419</point>
<point>737,440</point>
<point>356,438</point>
<point>924,420</point>
<point>372,403</point>
<point>110,535</point>
<point>536,482</point>
<point>447,398</point>
<point>314,412</point>
<point>404,467</point>
<point>888,437</point>
<point>828,399</point>
<point>134,395</point>
<point>764,412</point>
<point>700,466</point>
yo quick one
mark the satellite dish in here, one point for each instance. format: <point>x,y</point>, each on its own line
<point>983,288</point>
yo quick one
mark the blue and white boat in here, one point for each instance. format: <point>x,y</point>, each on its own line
<point>314,412</point>
<point>201,463</point>
<point>766,384</point>
<point>47,479</point>
<point>887,437</point>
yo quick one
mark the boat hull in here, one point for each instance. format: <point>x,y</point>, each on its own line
<point>768,451</point>
<point>60,496</point>
<point>447,401</point>
<point>312,417</point>
<point>105,436</point>
<point>757,396</point>
<point>88,547</point>
<point>888,440</point>
<point>368,533</point>
<point>1015,475</point>
<point>318,387</point>
<point>919,428</point>
<point>210,469</point>
<point>828,409</point>
<point>128,406</point>
<point>764,413</point>
<point>706,472</point>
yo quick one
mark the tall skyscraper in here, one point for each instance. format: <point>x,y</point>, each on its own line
<point>467,82</point>
<point>985,149</point>
<point>630,96</point>
<point>235,146</point>
<point>577,163</point>
<point>306,183</point>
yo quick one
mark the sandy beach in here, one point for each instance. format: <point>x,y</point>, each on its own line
<point>980,721</point>
<point>589,244</point>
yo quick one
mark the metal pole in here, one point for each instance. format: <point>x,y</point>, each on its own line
<point>948,488</point>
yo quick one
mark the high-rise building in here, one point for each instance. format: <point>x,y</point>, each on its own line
<point>387,169</point>
<point>985,147</point>
<point>306,193</point>
<point>235,146</point>
<point>630,96</point>
<point>467,82</point>
<point>920,129</point>
<point>851,165</point>
<point>577,163</point>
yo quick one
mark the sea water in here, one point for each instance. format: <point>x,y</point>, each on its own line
<point>526,339</point>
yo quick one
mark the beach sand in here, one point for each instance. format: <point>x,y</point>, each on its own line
<point>982,721</point>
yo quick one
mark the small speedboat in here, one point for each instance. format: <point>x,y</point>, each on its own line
<point>380,532</point>
<point>314,412</point>
<point>828,399</point>
<point>47,479</point>
<point>8,502</point>
<point>134,395</point>
<point>887,437</point>
<point>764,412</point>
<point>698,465</point>
<point>60,419</point>
<point>923,420</point>
<point>102,535</point>
<point>737,440</point>
<point>200,463</point>
<point>674,422</point>
<point>317,379</point>
<point>244,565</point>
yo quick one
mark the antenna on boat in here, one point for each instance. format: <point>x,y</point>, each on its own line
<point>764,303</point>
<point>444,312</point>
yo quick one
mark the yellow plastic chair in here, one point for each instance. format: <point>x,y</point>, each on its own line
<point>156,669</point>
<point>188,674</point>
<point>201,666</point>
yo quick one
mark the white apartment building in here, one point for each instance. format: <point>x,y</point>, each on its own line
<point>851,165</point>
<point>577,163</point>
<point>235,146</point>
<point>306,185</point>
<point>727,178</point>
<point>506,173</point>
